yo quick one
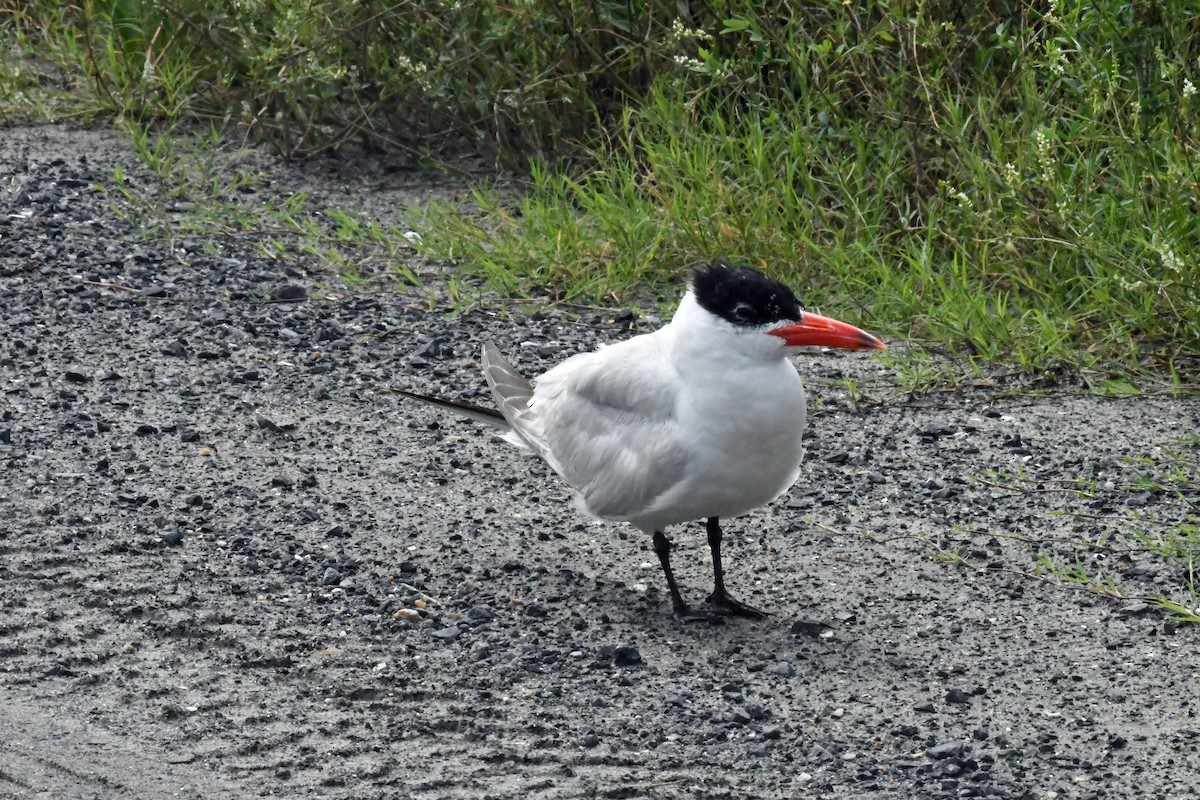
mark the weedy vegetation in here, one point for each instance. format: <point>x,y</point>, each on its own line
<point>1015,180</point>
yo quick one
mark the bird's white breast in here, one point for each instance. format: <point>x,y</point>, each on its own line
<point>744,438</point>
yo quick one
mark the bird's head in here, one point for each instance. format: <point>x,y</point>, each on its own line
<point>753,303</point>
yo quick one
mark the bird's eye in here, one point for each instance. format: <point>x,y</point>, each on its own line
<point>743,311</point>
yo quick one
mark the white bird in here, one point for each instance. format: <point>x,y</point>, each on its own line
<point>701,419</point>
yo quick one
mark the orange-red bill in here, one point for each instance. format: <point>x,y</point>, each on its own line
<point>814,330</point>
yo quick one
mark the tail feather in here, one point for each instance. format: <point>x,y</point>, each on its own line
<point>511,390</point>
<point>477,413</point>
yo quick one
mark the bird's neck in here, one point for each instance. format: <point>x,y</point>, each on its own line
<point>700,339</point>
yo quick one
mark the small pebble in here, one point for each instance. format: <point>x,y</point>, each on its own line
<point>957,696</point>
<point>746,714</point>
<point>807,628</point>
<point>290,292</point>
<point>625,656</point>
<point>820,754</point>
<point>1134,608</point>
<point>479,613</point>
<point>945,750</point>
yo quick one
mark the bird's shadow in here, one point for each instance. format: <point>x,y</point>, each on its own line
<point>614,603</point>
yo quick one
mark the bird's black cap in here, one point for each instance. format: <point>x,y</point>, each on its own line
<point>744,296</point>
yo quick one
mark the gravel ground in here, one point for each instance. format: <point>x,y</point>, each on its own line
<point>234,566</point>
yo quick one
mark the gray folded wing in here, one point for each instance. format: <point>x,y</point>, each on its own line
<point>605,422</point>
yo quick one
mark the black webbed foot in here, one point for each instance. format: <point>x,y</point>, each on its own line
<point>724,604</point>
<point>690,615</point>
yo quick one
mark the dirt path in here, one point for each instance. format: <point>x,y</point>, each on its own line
<point>232,567</point>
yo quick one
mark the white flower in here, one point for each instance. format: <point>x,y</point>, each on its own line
<point>681,33</point>
<point>1169,259</point>
<point>1189,88</point>
<point>693,64</point>
<point>957,195</point>
<point>1045,154</point>
<point>1011,176</point>
<point>1043,143</point>
<point>406,64</point>
<point>1057,59</point>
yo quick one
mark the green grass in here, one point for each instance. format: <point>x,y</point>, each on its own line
<point>1013,183</point>
<point>1064,242</point>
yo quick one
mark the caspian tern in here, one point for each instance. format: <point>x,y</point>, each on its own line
<point>701,419</point>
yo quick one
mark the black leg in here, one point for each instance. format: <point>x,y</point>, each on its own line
<point>714,544</point>
<point>663,548</point>
<point>719,597</point>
